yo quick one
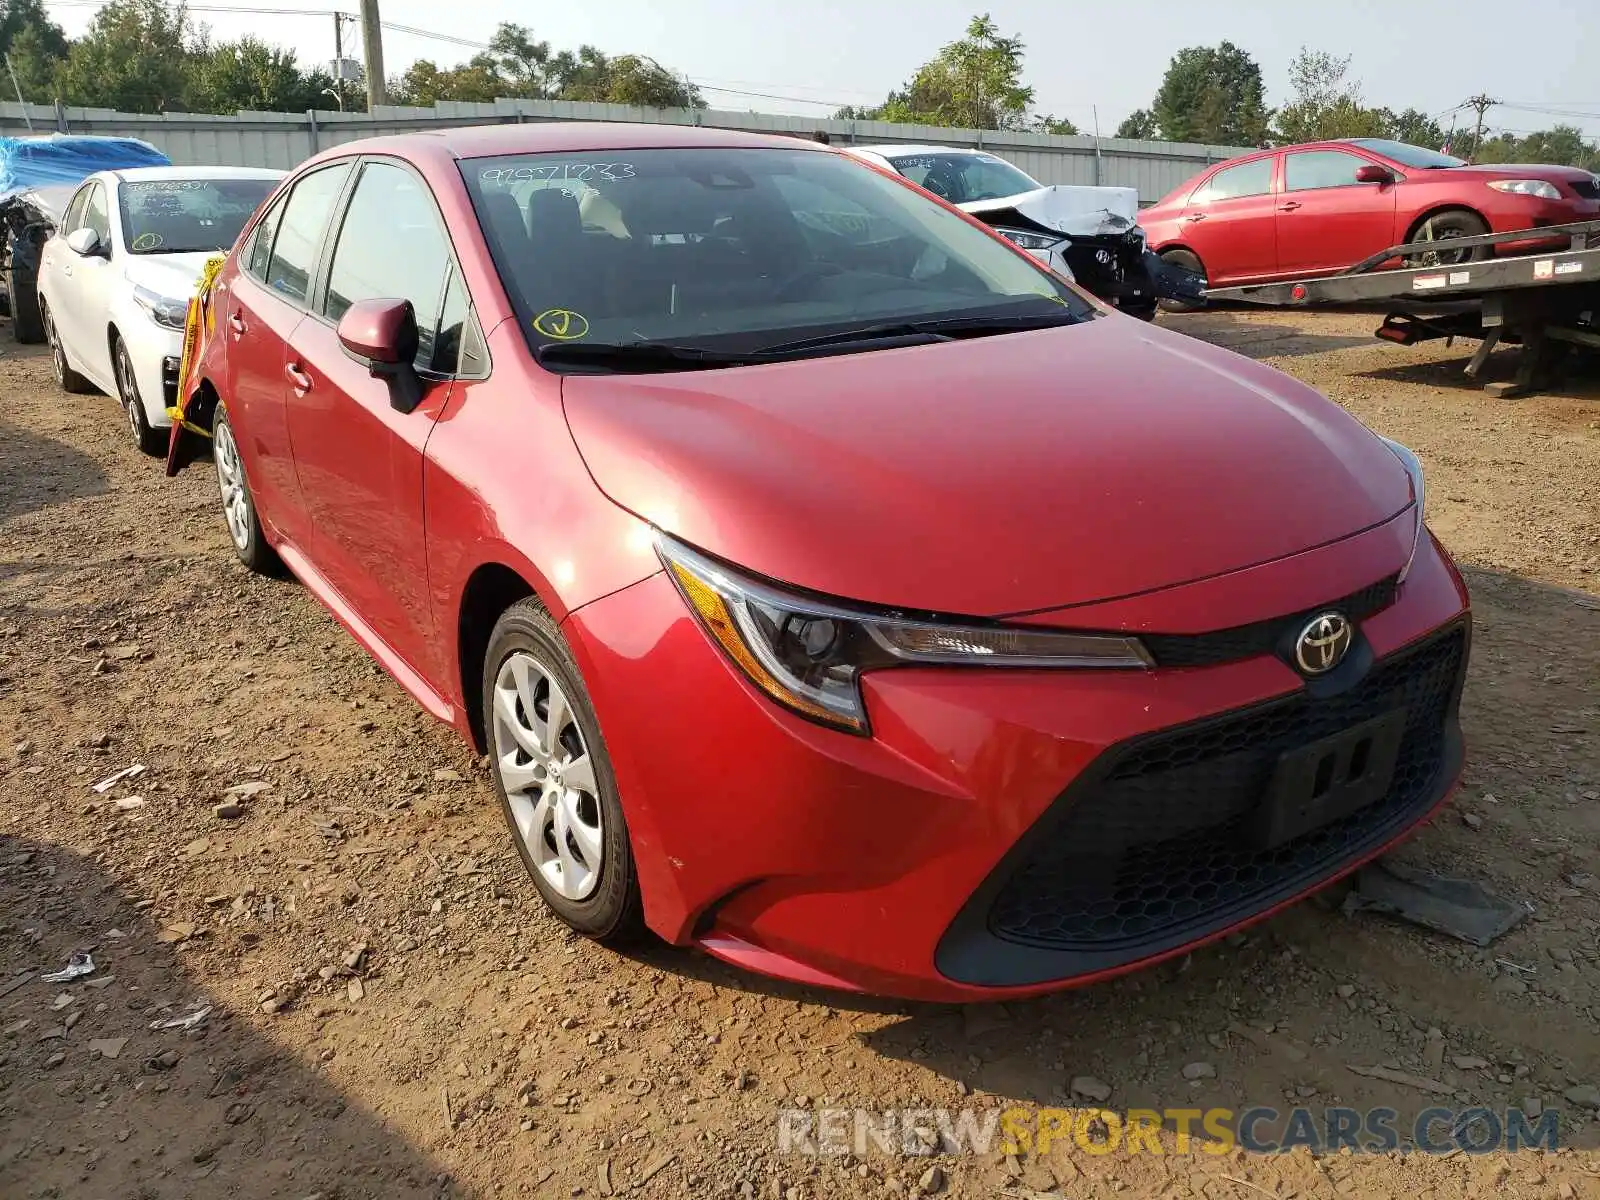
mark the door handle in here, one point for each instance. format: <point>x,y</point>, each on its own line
<point>66,270</point>
<point>1289,207</point>
<point>1197,217</point>
<point>298,377</point>
<point>236,323</point>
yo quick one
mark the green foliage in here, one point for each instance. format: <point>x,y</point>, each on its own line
<point>974,82</point>
<point>516,65</point>
<point>1326,104</point>
<point>1141,123</point>
<point>1211,94</point>
<point>1414,127</point>
<point>249,74</point>
<point>134,58</point>
<point>1562,146</point>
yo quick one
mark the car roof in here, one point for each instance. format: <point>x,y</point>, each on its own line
<point>559,137</point>
<point>155,174</point>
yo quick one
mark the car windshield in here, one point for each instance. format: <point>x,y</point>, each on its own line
<point>1409,156</point>
<point>738,250</point>
<point>187,216</point>
<point>963,178</point>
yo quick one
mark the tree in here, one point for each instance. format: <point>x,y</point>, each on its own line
<point>1141,123</point>
<point>1212,94</point>
<point>517,65</point>
<point>1325,104</point>
<point>973,83</point>
<point>36,47</point>
<point>1413,126</point>
<point>1044,123</point>
<point>132,58</point>
<point>249,74</point>
<point>1563,145</point>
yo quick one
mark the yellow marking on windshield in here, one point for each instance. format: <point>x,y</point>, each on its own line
<point>561,323</point>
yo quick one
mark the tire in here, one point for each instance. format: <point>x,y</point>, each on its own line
<point>587,875</point>
<point>1443,226</point>
<point>150,440</point>
<point>67,379</point>
<point>1189,262</point>
<point>238,502</point>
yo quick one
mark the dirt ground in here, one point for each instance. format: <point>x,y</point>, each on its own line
<point>392,1014</point>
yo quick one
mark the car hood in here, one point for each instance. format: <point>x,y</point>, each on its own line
<point>1519,171</point>
<point>1070,209</point>
<point>989,476</point>
<point>172,275</point>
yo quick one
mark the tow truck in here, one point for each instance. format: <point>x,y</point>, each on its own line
<point>1546,302</point>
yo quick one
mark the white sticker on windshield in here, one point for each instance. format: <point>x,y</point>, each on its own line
<point>579,171</point>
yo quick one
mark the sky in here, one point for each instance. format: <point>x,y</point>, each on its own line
<point>1084,60</point>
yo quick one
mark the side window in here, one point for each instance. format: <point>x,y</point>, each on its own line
<point>1253,178</point>
<point>95,216</point>
<point>391,246</point>
<point>74,215</point>
<point>1320,169</point>
<point>299,234</point>
<point>260,252</point>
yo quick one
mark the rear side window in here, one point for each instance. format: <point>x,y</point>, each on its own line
<point>1314,169</point>
<point>391,246</point>
<point>1247,179</point>
<point>299,234</point>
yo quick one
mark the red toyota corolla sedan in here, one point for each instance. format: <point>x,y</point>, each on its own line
<point>829,585</point>
<point>1318,208</point>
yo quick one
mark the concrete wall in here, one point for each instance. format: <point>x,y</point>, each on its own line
<point>284,139</point>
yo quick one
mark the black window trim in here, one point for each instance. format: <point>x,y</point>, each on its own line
<point>317,292</point>
<point>322,245</point>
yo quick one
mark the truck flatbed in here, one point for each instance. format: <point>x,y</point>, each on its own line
<point>1549,302</point>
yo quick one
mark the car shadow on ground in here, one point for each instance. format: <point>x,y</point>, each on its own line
<point>1575,377</point>
<point>41,472</point>
<point>96,1103</point>
<point>1232,329</point>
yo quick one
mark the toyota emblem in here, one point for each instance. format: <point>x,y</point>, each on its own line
<point>1323,643</point>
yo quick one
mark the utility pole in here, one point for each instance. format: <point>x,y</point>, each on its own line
<point>372,44</point>
<point>1482,102</point>
<point>338,58</point>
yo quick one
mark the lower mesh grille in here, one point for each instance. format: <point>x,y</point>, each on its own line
<point>1159,844</point>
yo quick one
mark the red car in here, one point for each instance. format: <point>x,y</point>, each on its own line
<point>1319,208</point>
<point>831,586</point>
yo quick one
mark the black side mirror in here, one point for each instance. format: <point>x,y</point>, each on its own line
<point>382,335</point>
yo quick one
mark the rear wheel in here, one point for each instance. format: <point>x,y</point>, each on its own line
<point>1189,262</point>
<point>67,379</point>
<point>238,504</point>
<point>150,440</point>
<point>1445,227</point>
<point>554,778</point>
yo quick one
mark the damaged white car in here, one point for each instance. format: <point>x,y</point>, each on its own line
<point>1089,234</point>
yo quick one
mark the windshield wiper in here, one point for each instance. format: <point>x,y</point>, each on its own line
<point>643,356</point>
<point>942,330</point>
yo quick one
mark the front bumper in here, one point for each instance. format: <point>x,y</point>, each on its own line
<point>1002,833</point>
<point>155,353</point>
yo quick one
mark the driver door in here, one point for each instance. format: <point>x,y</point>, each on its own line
<point>80,292</point>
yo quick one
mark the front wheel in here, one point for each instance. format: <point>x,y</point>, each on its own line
<point>238,504</point>
<point>150,440</point>
<point>1447,227</point>
<point>554,778</point>
<point>1189,262</point>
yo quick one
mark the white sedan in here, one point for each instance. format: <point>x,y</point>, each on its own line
<point>116,278</point>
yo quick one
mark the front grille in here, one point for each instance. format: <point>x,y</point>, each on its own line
<point>1262,637</point>
<point>1154,849</point>
<point>1588,189</point>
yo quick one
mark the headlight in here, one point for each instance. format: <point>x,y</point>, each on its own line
<point>1028,240</point>
<point>808,654</point>
<point>1413,466</point>
<point>1542,188</point>
<point>163,310</point>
